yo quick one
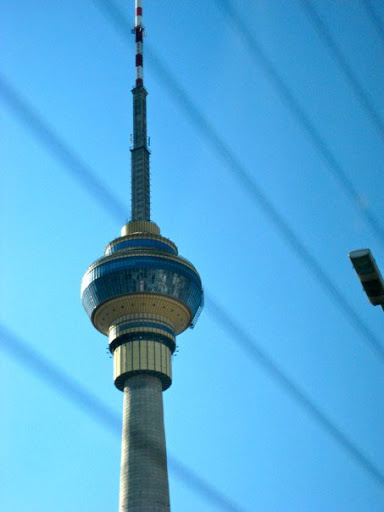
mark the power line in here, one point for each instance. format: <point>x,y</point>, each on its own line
<point>243,339</point>
<point>94,187</point>
<point>100,412</point>
<point>71,161</point>
<point>259,356</point>
<point>304,120</point>
<point>52,141</point>
<point>324,33</point>
<point>235,166</point>
<point>73,165</point>
<point>375,18</point>
<point>71,388</point>
<point>225,152</point>
<point>83,398</point>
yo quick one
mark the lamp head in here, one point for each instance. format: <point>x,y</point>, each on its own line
<point>369,275</point>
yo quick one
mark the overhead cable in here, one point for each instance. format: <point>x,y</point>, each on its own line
<point>334,166</point>
<point>93,406</point>
<point>223,317</point>
<point>375,18</point>
<point>258,355</point>
<point>73,165</point>
<point>80,396</point>
<point>324,33</point>
<point>94,187</point>
<point>241,173</point>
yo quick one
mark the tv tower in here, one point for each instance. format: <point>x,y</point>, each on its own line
<point>141,294</point>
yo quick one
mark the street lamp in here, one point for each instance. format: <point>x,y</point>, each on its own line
<point>369,275</point>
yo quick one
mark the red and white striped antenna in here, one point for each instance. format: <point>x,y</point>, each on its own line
<point>139,32</point>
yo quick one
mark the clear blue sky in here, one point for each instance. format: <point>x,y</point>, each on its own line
<point>227,417</point>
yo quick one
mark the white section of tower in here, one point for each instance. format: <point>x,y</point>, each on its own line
<point>138,13</point>
<point>144,474</point>
<point>139,33</point>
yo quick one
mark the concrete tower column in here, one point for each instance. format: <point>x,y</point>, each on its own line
<point>144,474</point>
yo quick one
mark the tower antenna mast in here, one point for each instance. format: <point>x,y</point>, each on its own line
<point>141,209</point>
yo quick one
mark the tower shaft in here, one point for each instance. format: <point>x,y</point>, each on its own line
<point>144,475</point>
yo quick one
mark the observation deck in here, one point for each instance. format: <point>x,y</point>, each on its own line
<point>141,294</point>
